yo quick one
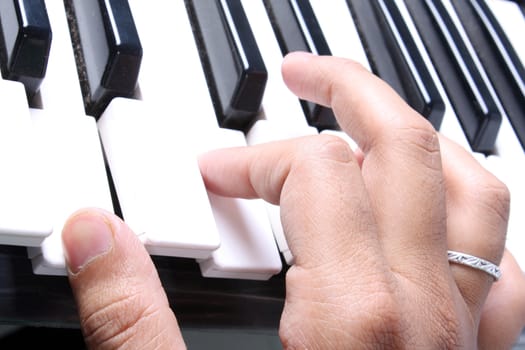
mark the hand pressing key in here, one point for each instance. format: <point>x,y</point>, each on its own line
<point>370,232</point>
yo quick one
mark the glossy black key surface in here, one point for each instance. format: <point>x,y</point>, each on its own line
<point>395,57</point>
<point>468,92</point>
<point>373,33</point>
<point>297,29</point>
<point>418,85</point>
<point>111,52</point>
<point>234,68</point>
<point>25,42</point>
<point>496,53</point>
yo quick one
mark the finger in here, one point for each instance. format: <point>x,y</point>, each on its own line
<point>503,315</point>
<point>402,162</point>
<point>317,183</point>
<point>120,299</point>
<point>369,110</point>
<point>478,209</point>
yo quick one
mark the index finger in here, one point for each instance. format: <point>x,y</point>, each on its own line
<point>317,183</point>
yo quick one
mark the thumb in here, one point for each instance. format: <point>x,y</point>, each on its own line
<point>120,299</point>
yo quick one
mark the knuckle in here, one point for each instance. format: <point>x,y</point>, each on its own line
<point>490,195</point>
<point>420,135</point>
<point>328,148</point>
<point>496,195</point>
<point>414,138</point>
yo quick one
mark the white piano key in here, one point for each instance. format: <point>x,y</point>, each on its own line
<point>248,249</point>
<point>279,104</point>
<point>75,175</point>
<point>23,208</point>
<point>339,30</point>
<point>512,21</point>
<point>184,85</point>
<point>157,179</point>
<point>60,90</point>
<point>171,73</point>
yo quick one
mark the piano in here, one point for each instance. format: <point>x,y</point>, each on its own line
<point>125,94</point>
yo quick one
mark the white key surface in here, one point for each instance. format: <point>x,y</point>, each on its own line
<point>171,73</point>
<point>340,30</point>
<point>23,204</point>
<point>279,104</point>
<point>512,21</point>
<point>157,180</point>
<point>75,176</point>
<point>60,90</point>
<point>248,249</point>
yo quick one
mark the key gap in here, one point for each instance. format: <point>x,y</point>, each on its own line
<point>78,52</point>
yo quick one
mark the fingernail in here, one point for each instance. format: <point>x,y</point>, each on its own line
<point>85,237</point>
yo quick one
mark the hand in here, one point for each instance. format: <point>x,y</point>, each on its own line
<point>369,231</point>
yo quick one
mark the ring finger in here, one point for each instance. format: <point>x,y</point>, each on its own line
<point>478,209</point>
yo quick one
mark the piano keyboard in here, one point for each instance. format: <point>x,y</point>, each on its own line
<point>131,95</point>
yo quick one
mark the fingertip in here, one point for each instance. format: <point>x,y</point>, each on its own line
<point>293,67</point>
<point>87,234</point>
<point>296,57</point>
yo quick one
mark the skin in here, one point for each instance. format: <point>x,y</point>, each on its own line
<point>369,230</point>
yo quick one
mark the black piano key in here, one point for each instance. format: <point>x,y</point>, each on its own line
<point>468,92</point>
<point>111,52</point>
<point>297,29</point>
<point>373,33</point>
<point>25,42</point>
<point>420,89</point>
<point>234,68</point>
<point>395,57</point>
<point>496,53</point>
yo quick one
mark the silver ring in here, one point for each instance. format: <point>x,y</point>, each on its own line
<point>474,262</point>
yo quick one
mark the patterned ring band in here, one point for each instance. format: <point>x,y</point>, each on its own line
<point>474,262</point>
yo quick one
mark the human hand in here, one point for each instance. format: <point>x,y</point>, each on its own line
<point>369,232</point>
